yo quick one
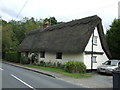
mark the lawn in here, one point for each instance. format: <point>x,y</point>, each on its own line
<point>60,71</point>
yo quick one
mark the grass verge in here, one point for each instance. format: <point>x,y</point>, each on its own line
<point>60,71</point>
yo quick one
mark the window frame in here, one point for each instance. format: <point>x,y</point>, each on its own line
<point>59,55</point>
<point>42,54</point>
<point>94,60</point>
<point>95,41</point>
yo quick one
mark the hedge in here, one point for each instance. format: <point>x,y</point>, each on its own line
<point>12,57</point>
<point>24,60</point>
<point>75,67</point>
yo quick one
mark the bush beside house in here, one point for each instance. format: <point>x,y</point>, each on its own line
<point>24,60</point>
<point>71,66</point>
<point>75,67</point>
<point>12,57</point>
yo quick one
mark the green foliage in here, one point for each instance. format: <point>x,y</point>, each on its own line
<point>14,32</point>
<point>42,63</point>
<point>24,60</point>
<point>9,41</point>
<point>51,20</point>
<point>51,64</point>
<point>60,65</point>
<point>13,57</point>
<point>75,67</point>
<point>61,71</point>
<point>113,39</point>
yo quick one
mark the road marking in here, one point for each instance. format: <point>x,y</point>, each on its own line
<point>1,69</point>
<point>23,82</point>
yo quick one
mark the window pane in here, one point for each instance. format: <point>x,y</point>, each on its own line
<point>114,63</point>
<point>59,55</point>
<point>42,54</point>
<point>95,40</point>
<point>94,59</point>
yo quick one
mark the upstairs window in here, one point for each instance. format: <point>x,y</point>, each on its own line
<point>94,59</point>
<point>95,40</point>
<point>42,54</point>
<point>59,55</point>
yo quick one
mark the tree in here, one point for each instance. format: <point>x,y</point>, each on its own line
<point>113,39</point>
<point>18,30</point>
<point>31,24</point>
<point>14,32</point>
<point>51,20</point>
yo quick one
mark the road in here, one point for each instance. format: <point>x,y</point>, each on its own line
<point>14,77</point>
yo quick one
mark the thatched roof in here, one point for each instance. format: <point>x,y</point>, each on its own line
<point>70,37</point>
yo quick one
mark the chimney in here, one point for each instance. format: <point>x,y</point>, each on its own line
<point>46,24</point>
<point>119,10</point>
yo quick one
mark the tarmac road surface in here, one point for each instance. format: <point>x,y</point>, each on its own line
<point>15,77</point>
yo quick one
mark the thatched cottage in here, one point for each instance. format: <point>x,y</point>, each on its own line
<point>77,40</point>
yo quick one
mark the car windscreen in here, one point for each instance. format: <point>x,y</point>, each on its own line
<point>114,63</point>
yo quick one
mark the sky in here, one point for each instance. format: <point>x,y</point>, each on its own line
<point>62,10</point>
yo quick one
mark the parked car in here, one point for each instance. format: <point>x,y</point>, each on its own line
<point>108,66</point>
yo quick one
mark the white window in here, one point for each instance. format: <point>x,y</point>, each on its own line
<point>94,59</point>
<point>95,40</point>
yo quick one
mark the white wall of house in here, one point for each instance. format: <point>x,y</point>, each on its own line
<point>73,57</point>
<point>65,57</point>
<point>99,60</point>
<point>97,48</point>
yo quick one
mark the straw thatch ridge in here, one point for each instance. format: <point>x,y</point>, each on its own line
<point>70,37</point>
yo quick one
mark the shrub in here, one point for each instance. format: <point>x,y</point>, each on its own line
<point>49,64</point>
<point>60,65</point>
<point>69,67</point>
<point>54,65</point>
<point>42,63</point>
<point>24,60</point>
<point>12,57</point>
<point>75,67</point>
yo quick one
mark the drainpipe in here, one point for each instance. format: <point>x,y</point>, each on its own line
<point>92,53</point>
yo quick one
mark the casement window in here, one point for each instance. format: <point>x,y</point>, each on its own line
<point>95,40</point>
<point>58,55</point>
<point>42,54</point>
<point>94,59</point>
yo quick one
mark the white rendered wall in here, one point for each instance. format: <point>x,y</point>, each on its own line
<point>97,48</point>
<point>100,59</point>
<point>65,57</point>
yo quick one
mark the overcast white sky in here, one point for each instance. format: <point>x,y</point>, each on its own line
<point>62,10</point>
